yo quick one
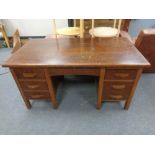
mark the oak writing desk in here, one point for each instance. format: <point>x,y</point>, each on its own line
<point>116,62</point>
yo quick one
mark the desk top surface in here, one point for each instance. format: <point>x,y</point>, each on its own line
<point>97,52</point>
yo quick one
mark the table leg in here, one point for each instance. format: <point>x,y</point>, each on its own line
<point>128,101</point>
<point>51,89</point>
<point>100,88</point>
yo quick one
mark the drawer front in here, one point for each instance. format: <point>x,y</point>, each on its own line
<point>34,85</point>
<point>30,73</point>
<point>120,74</point>
<point>116,90</point>
<point>74,71</point>
<point>37,95</point>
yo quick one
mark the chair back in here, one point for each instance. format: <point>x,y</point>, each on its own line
<point>114,26</point>
<point>16,41</point>
<point>71,31</point>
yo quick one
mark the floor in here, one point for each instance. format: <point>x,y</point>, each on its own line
<point>76,113</point>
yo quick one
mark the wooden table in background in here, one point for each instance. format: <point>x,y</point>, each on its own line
<point>116,62</point>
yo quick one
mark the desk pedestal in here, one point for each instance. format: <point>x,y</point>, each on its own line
<point>115,84</point>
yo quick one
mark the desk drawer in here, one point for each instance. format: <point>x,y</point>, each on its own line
<point>120,74</point>
<point>74,71</point>
<point>37,95</point>
<point>29,73</point>
<point>116,90</point>
<point>34,85</point>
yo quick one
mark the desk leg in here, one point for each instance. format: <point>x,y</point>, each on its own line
<point>27,102</point>
<point>100,88</point>
<point>128,102</point>
<point>51,89</point>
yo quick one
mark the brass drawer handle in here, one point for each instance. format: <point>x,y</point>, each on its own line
<point>29,75</point>
<point>33,86</point>
<point>118,86</point>
<point>37,96</point>
<point>121,75</point>
<point>117,97</point>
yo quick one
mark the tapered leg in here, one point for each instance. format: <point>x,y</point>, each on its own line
<point>27,103</point>
<point>100,88</point>
<point>51,89</point>
<point>128,101</point>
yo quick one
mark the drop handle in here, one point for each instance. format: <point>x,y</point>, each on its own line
<point>117,97</point>
<point>33,86</point>
<point>37,96</point>
<point>29,75</point>
<point>119,87</point>
<point>121,75</point>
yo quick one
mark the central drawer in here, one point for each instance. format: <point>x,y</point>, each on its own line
<point>116,90</point>
<point>74,71</point>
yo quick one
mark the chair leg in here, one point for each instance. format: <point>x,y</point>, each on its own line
<point>5,37</point>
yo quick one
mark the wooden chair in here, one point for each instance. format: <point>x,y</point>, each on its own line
<point>2,30</point>
<point>69,31</point>
<point>145,43</point>
<point>16,41</point>
<point>106,31</point>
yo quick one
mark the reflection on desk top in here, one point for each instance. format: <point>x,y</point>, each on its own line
<point>75,52</point>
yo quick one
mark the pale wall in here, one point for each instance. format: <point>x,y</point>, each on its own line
<point>32,27</point>
<point>137,25</point>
